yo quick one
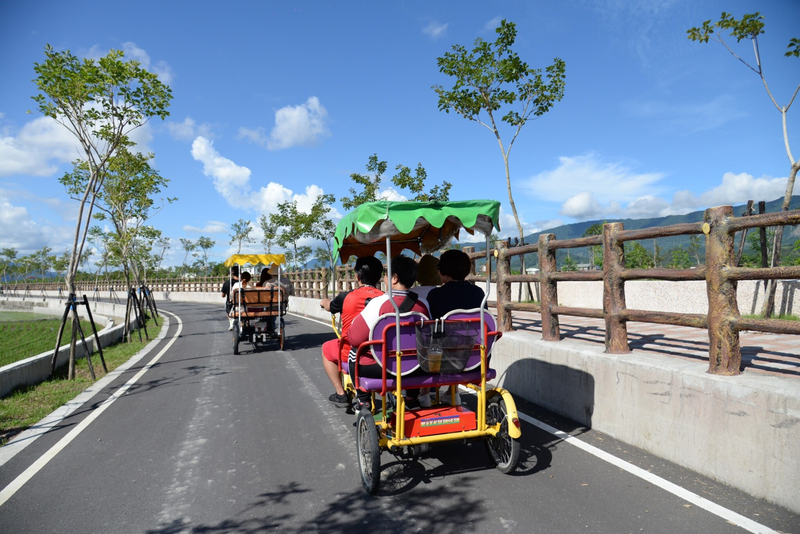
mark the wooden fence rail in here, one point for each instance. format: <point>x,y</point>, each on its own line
<point>720,274</point>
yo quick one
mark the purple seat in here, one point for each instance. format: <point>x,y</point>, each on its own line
<point>472,320</point>
<point>383,338</point>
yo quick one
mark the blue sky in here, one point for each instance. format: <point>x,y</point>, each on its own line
<point>284,100</point>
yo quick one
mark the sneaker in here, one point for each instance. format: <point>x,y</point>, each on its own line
<point>230,328</point>
<point>341,401</point>
<point>425,401</point>
<point>446,397</point>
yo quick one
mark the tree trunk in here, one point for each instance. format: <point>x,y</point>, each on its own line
<point>769,301</point>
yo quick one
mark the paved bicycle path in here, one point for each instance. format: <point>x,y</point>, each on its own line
<point>205,441</point>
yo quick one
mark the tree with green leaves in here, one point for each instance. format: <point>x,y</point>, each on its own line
<point>60,264</point>
<point>694,249</point>
<point>749,27</point>
<point>127,202</point>
<point>100,102</point>
<point>188,247</point>
<point>637,257</point>
<point>294,225</point>
<point>240,233</point>
<point>569,264</point>
<point>7,258</point>
<point>322,227</point>
<point>597,250</point>
<point>679,258</point>
<point>163,244</point>
<point>205,244</point>
<point>371,183</point>
<point>270,232</point>
<point>493,76</point>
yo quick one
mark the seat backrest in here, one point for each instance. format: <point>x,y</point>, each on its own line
<point>259,296</point>
<point>385,329</point>
<point>472,322</point>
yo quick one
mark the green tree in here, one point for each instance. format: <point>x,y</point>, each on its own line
<point>749,27</point>
<point>163,245</point>
<point>42,260</point>
<point>7,258</point>
<point>127,202</point>
<point>60,265</point>
<point>597,250</point>
<point>637,257</point>
<point>270,232</point>
<point>371,184</point>
<point>241,234</point>
<point>188,247</point>
<point>694,249</point>
<point>679,258</point>
<point>100,102</point>
<point>492,76</point>
<point>205,244</point>
<point>569,264</point>
<point>322,227</point>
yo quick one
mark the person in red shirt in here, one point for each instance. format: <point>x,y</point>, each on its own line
<point>404,274</point>
<point>368,271</point>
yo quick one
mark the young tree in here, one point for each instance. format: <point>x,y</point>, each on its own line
<point>7,258</point>
<point>188,246</point>
<point>694,249</point>
<point>322,227</point>
<point>597,251</point>
<point>241,234</point>
<point>60,265</point>
<point>750,26</point>
<point>294,225</point>
<point>205,244</point>
<point>679,258</point>
<point>270,232</point>
<point>371,184</point>
<point>569,264</point>
<point>163,245</point>
<point>126,202</point>
<point>637,257</point>
<point>100,102</point>
<point>493,76</point>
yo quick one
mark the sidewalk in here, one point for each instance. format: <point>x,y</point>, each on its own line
<point>773,354</point>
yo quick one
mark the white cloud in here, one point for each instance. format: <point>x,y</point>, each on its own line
<point>434,29</point>
<point>299,125</point>
<point>161,68</point>
<point>188,129</point>
<point>605,181</point>
<point>232,181</point>
<point>734,189</point>
<point>492,24</point>
<point>211,227</point>
<point>21,232</point>
<point>688,117</point>
<point>39,147</point>
<point>256,135</point>
<point>582,205</point>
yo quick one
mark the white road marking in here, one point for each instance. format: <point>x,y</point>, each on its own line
<point>29,473</point>
<point>666,485</point>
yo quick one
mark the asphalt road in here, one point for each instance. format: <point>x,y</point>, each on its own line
<point>205,441</point>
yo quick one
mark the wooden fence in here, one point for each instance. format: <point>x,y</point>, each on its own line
<point>720,273</point>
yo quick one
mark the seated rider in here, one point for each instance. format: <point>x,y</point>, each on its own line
<point>404,274</point>
<point>368,271</point>
<point>455,293</point>
<point>267,280</point>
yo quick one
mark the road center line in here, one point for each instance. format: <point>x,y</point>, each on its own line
<point>43,460</point>
<point>666,485</point>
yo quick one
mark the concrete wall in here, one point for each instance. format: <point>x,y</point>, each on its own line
<point>741,430</point>
<point>36,369</point>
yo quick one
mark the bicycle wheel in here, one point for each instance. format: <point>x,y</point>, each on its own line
<point>369,453</point>
<point>503,449</point>
<point>236,337</point>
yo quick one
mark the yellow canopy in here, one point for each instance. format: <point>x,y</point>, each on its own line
<point>255,259</point>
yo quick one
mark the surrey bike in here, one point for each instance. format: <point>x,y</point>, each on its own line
<point>453,351</point>
<point>254,308</point>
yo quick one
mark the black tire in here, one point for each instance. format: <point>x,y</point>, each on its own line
<point>502,448</point>
<point>369,452</point>
<point>236,337</point>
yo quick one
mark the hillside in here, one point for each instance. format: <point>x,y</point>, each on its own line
<point>570,231</point>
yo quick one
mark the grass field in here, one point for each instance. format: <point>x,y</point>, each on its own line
<point>26,406</point>
<point>23,335</point>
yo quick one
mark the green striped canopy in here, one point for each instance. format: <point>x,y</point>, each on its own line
<point>421,227</point>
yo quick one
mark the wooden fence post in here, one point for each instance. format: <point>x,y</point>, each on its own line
<point>614,290</point>
<point>547,264</point>
<point>504,319</point>
<point>724,351</point>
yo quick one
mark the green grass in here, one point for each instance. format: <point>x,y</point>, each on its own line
<point>782,317</point>
<point>23,335</point>
<point>25,406</point>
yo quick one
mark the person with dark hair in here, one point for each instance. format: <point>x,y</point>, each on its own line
<point>404,274</point>
<point>226,294</point>
<point>368,271</point>
<point>455,293</point>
